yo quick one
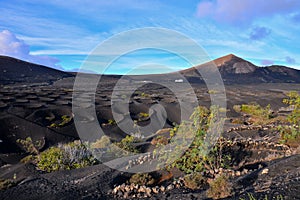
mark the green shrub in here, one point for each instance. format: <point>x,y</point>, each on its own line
<point>112,122</point>
<point>65,156</point>
<point>290,134</point>
<point>259,115</point>
<point>51,160</point>
<point>28,159</point>
<point>102,143</point>
<point>104,148</point>
<point>6,183</point>
<point>195,158</point>
<point>160,140</point>
<point>219,188</point>
<point>142,116</point>
<point>127,144</point>
<point>142,179</point>
<point>174,130</point>
<point>143,94</point>
<point>29,146</point>
<point>65,119</point>
<point>237,108</point>
<point>293,100</point>
<point>194,181</point>
<point>212,92</point>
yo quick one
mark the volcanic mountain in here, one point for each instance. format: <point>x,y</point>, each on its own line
<point>235,70</point>
<point>17,71</point>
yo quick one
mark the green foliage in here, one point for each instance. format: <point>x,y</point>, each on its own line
<point>65,156</point>
<point>212,91</point>
<point>112,122</point>
<point>259,115</point>
<point>294,101</point>
<point>196,158</point>
<point>143,94</point>
<point>219,188</point>
<point>6,183</point>
<point>51,160</point>
<point>143,116</point>
<point>160,140</point>
<point>256,110</point>
<point>102,143</point>
<point>28,159</point>
<point>29,146</point>
<point>194,181</point>
<point>174,130</point>
<point>142,179</point>
<point>127,144</point>
<point>237,108</point>
<point>63,122</point>
<point>290,134</point>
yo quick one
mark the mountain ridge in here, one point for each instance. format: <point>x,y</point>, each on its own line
<point>233,70</point>
<point>14,70</point>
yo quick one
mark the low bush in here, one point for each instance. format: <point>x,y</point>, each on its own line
<point>65,120</point>
<point>112,122</point>
<point>174,130</point>
<point>29,146</point>
<point>293,100</point>
<point>6,183</point>
<point>220,187</point>
<point>143,116</point>
<point>142,179</point>
<point>259,115</point>
<point>102,143</point>
<point>28,159</point>
<point>290,134</point>
<point>65,156</point>
<point>160,140</point>
<point>127,144</point>
<point>143,94</point>
<point>195,158</point>
<point>194,181</point>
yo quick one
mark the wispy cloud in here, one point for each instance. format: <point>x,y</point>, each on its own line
<point>259,33</point>
<point>267,62</point>
<point>10,45</point>
<point>237,11</point>
<point>68,30</point>
<point>290,60</point>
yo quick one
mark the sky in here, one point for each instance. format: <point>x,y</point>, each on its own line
<point>61,34</point>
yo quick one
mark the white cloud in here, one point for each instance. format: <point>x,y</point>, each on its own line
<point>12,46</point>
<point>237,11</point>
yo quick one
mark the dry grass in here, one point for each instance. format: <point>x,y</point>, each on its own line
<point>194,181</point>
<point>219,187</point>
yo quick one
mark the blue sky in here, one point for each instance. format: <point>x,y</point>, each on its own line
<point>61,34</point>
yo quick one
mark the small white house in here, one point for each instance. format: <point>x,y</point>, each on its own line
<point>179,81</point>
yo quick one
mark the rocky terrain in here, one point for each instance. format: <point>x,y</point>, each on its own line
<point>36,103</point>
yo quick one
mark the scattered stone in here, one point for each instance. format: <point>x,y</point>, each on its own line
<point>170,187</point>
<point>155,190</point>
<point>265,171</point>
<point>237,173</point>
